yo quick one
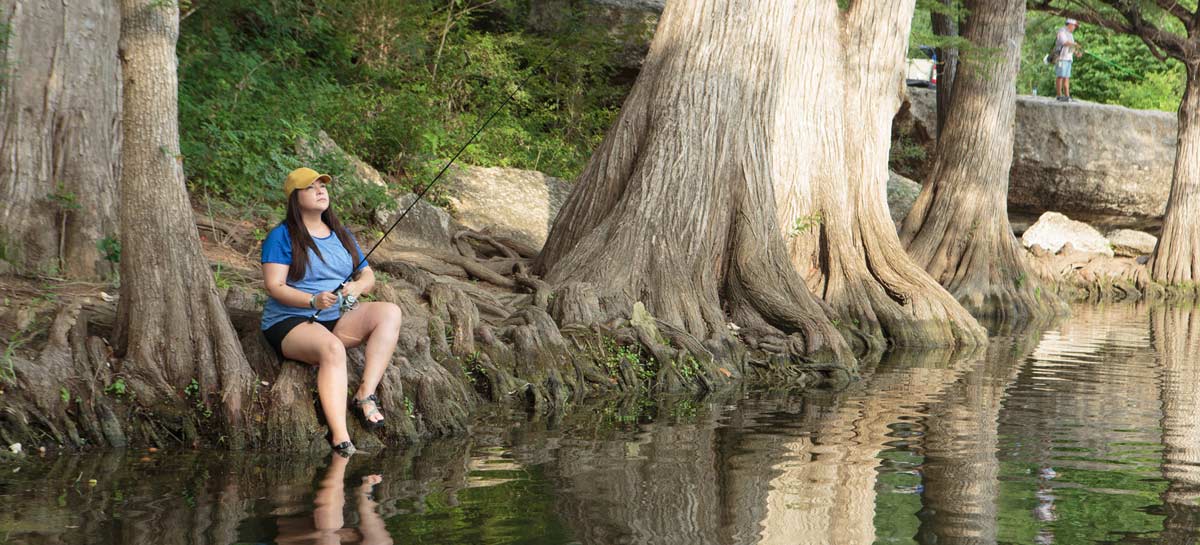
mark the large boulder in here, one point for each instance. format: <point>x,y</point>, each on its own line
<point>519,204</point>
<point>1107,165</point>
<point>322,145</point>
<point>425,226</point>
<point>1130,243</point>
<point>901,194</point>
<point>1053,230</point>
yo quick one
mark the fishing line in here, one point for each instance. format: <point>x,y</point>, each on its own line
<point>350,302</point>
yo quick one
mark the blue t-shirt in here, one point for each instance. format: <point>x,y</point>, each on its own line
<point>320,275</point>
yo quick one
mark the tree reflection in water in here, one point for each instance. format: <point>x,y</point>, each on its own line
<point>1084,433</point>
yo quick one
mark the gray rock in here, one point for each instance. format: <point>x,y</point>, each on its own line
<point>1107,165</point>
<point>653,6</point>
<point>1130,243</point>
<point>901,194</point>
<point>324,145</point>
<point>1053,231</point>
<point>425,226</point>
<point>520,204</point>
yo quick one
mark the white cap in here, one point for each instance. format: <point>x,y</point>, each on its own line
<point>1072,22</point>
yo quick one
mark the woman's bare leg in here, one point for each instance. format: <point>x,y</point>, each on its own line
<point>312,343</point>
<point>379,325</point>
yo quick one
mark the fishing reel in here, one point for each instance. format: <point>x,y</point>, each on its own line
<point>348,302</point>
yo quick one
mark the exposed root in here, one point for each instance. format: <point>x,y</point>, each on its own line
<point>510,337</point>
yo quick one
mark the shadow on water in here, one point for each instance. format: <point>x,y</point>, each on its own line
<point>1085,431</point>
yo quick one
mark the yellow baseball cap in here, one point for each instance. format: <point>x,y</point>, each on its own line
<point>302,178</point>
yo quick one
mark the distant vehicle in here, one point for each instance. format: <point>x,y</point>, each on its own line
<point>922,72</point>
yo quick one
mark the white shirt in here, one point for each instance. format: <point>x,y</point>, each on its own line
<point>1065,36</point>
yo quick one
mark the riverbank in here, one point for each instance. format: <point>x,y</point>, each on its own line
<point>1044,427</point>
<point>478,330</point>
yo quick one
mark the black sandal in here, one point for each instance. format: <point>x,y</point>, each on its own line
<point>344,449</point>
<point>365,418</point>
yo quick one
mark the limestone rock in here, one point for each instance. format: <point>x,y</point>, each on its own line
<point>901,194</point>
<point>425,226</point>
<point>324,145</point>
<point>1130,243</point>
<point>520,204</point>
<point>1053,231</point>
<point>1107,165</point>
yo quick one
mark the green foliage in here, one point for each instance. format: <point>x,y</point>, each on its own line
<point>922,27</point>
<point>804,223</point>
<point>64,394</point>
<point>1115,69</point>
<point>688,368</point>
<point>117,387</point>
<point>110,248</point>
<point>616,356</point>
<point>64,199</point>
<point>192,388</point>
<point>5,35</point>
<point>219,279</point>
<point>380,79</point>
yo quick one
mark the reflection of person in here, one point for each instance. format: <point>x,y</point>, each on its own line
<point>327,525</point>
<point>1068,50</point>
<point>305,259</point>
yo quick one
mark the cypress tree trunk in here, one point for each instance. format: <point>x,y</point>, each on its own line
<point>958,228</point>
<point>947,65</point>
<point>832,176</point>
<point>677,208</point>
<point>60,135</point>
<point>1177,256</point>
<point>172,328</point>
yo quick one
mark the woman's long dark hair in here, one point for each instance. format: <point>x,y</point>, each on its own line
<point>302,241</point>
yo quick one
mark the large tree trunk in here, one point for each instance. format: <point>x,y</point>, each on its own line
<point>831,180</point>
<point>677,207</point>
<point>60,136</point>
<point>172,328</point>
<point>947,61</point>
<point>958,228</point>
<point>1177,256</point>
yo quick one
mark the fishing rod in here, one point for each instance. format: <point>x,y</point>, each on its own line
<point>350,302</point>
<point>1113,64</point>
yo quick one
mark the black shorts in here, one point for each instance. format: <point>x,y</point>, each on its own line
<point>277,332</point>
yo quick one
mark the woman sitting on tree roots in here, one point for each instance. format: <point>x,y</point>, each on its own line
<point>305,259</point>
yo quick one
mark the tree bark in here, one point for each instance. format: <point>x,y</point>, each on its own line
<point>1176,259</point>
<point>958,228</point>
<point>677,208</point>
<point>947,62</point>
<point>179,347</point>
<point>60,135</point>
<point>831,181</point>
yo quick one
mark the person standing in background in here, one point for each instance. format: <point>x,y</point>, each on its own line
<point>1067,50</point>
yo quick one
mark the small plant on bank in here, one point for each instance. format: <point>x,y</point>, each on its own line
<point>110,248</point>
<point>804,223</point>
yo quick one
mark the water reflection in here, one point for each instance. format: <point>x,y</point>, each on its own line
<point>327,523</point>
<point>1086,432</point>
<point>1176,336</point>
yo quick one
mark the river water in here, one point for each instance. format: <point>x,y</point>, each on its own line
<point>1082,432</point>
